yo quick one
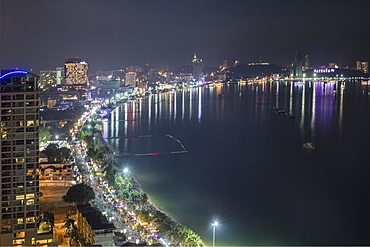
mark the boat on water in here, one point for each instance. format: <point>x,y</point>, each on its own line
<point>308,145</point>
<point>278,111</point>
<point>288,115</point>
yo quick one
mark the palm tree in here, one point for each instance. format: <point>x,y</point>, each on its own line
<point>48,217</point>
<point>71,229</point>
<point>144,200</point>
<point>69,223</point>
<point>193,239</point>
<point>134,196</point>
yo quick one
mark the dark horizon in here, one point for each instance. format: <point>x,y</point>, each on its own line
<point>38,35</point>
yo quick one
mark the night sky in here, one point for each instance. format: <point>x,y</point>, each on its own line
<point>114,34</point>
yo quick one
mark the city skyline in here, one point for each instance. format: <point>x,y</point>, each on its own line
<point>38,35</point>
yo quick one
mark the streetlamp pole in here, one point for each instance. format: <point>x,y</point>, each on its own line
<point>214,224</point>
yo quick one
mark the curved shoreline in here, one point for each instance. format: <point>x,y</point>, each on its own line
<point>137,186</point>
<point>187,235</point>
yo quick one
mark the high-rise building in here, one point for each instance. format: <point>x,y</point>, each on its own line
<point>48,79</point>
<point>306,62</point>
<point>20,203</point>
<point>59,75</point>
<point>76,71</point>
<point>362,66</point>
<point>51,78</point>
<point>224,64</point>
<point>298,64</point>
<point>197,67</point>
<point>130,79</point>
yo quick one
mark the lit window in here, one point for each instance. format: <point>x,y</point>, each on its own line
<point>29,196</point>
<point>5,222</point>
<point>18,241</point>
<point>30,123</point>
<point>42,241</point>
<point>30,219</point>
<point>19,160</point>
<point>19,234</point>
<point>6,228</point>
<point>31,201</point>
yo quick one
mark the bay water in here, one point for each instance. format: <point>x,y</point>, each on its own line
<point>245,166</point>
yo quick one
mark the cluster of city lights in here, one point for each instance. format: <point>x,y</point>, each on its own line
<point>326,70</point>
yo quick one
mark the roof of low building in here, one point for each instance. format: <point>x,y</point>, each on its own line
<point>95,218</point>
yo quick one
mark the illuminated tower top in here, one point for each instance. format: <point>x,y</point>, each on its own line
<point>197,67</point>
<point>195,59</point>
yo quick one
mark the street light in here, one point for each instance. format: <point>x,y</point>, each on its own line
<point>125,171</point>
<point>214,224</point>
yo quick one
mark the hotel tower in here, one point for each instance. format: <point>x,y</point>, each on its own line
<point>76,71</point>
<point>20,160</point>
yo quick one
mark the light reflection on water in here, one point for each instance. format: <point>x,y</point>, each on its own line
<point>246,163</point>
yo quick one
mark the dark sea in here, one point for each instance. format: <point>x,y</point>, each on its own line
<point>246,167</point>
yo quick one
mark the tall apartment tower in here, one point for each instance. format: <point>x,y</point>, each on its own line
<point>197,67</point>
<point>76,71</point>
<point>130,79</point>
<point>306,62</point>
<point>19,158</point>
<point>298,64</point>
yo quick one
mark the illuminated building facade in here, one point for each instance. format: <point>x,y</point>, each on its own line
<point>197,67</point>
<point>130,79</point>
<point>362,66</point>
<point>76,71</point>
<point>48,79</point>
<point>20,203</point>
<point>333,66</point>
<point>51,78</point>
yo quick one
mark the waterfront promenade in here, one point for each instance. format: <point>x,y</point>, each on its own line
<point>121,214</point>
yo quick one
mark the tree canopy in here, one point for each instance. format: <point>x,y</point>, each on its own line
<point>57,154</point>
<point>44,135</point>
<point>79,194</point>
<point>48,216</point>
